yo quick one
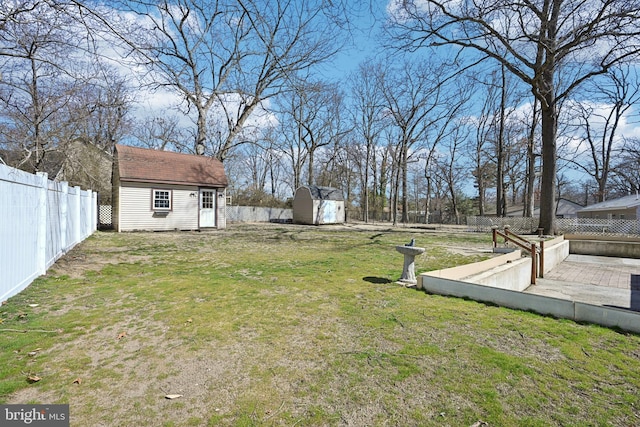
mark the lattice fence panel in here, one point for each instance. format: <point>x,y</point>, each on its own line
<point>483,224</point>
<point>584,226</point>
<point>104,216</point>
<point>598,226</point>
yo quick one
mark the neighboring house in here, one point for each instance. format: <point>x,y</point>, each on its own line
<point>627,207</point>
<point>318,205</point>
<point>564,209</point>
<point>87,166</point>
<point>78,162</point>
<point>163,190</point>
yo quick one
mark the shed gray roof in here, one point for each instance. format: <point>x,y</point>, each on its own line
<point>565,207</point>
<point>626,202</point>
<point>325,193</point>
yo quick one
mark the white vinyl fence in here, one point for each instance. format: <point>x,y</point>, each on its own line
<point>40,220</point>
<point>258,214</point>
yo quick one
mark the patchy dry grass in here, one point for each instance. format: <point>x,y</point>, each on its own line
<point>287,325</point>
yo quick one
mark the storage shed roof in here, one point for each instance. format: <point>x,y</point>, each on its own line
<point>167,167</point>
<point>325,193</point>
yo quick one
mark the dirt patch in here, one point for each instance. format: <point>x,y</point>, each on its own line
<point>76,264</point>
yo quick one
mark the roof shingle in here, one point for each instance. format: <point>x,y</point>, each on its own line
<point>167,167</point>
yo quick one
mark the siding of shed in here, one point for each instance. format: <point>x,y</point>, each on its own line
<point>135,211</point>
<point>328,211</point>
<point>303,207</point>
<point>221,208</point>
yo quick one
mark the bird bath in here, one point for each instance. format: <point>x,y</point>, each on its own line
<point>408,272</point>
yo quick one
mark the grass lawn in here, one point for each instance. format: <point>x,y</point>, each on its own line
<point>282,325</point>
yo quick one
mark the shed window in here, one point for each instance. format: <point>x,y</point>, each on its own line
<point>207,199</point>
<point>161,200</point>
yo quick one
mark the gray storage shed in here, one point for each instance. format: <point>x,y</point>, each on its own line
<point>318,205</point>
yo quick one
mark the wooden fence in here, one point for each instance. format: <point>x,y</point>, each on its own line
<point>40,220</point>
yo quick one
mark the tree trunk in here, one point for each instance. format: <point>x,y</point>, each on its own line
<point>602,187</point>
<point>310,177</point>
<point>367,161</point>
<point>201,136</point>
<point>549,168</point>
<point>500,194</point>
<point>427,203</point>
<point>396,190</point>
<point>480,183</point>
<point>405,200</point>
<point>529,204</point>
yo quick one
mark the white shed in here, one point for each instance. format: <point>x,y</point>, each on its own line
<point>162,190</point>
<point>318,205</point>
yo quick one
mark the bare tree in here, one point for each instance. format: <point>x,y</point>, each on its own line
<point>532,155</point>
<point>495,150</point>
<point>368,123</point>
<point>313,110</point>
<point>600,117</point>
<point>62,108</point>
<point>479,152</point>
<point>226,58</point>
<point>294,148</point>
<point>161,133</point>
<point>12,12</point>
<point>553,46</point>
<point>39,85</point>
<point>102,109</point>
<point>492,141</point>
<point>626,168</point>
<point>335,168</point>
<point>450,168</point>
<point>415,101</point>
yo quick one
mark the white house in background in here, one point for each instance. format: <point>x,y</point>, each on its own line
<point>318,205</point>
<point>627,207</point>
<point>162,190</point>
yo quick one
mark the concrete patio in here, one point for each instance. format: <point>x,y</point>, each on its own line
<point>585,288</point>
<point>597,280</point>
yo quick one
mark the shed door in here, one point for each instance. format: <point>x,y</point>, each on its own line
<point>207,208</point>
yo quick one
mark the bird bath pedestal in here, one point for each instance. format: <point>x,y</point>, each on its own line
<point>409,272</point>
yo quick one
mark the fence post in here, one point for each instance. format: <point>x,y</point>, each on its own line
<point>494,230</point>
<point>88,213</point>
<point>77,226</point>
<point>94,212</point>
<point>542,259</point>
<point>534,263</point>
<point>506,233</point>
<point>64,212</point>
<point>41,214</point>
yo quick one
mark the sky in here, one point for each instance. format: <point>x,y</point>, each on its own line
<point>365,43</point>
